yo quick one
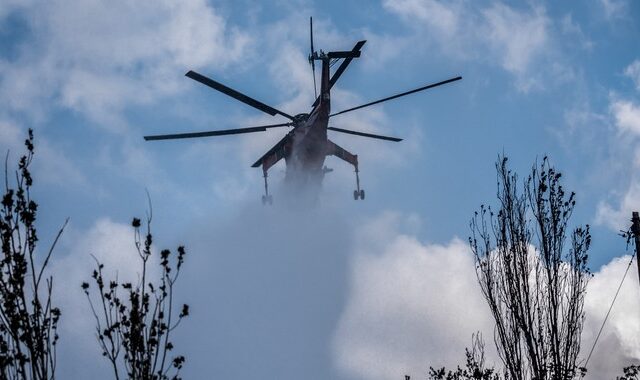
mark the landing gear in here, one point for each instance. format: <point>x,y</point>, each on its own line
<point>266,198</point>
<point>358,193</point>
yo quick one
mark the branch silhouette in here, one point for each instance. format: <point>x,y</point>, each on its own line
<point>28,318</point>
<point>134,322</point>
<point>534,284</point>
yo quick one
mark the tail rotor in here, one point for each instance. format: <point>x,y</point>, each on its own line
<point>312,57</point>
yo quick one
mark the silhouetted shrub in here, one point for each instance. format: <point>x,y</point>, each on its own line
<point>533,273</point>
<point>134,322</point>
<point>630,373</point>
<point>474,368</point>
<point>28,318</point>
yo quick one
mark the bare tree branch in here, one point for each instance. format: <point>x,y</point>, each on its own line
<point>534,285</point>
<point>28,320</point>
<point>138,323</point>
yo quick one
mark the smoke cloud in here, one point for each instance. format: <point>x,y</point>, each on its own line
<point>294,290</point>
<point>412,305</point>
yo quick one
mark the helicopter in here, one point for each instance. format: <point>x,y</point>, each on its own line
<point>305,147</point>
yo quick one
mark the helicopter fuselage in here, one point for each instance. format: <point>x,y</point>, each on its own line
<point>307,146</point>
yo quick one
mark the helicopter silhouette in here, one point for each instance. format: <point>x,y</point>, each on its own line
<point>306,146</point>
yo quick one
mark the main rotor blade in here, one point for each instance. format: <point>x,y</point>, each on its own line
<point>388,138</point>
<point>342,68</point>
<point>223,132</point>
<point>345,63</point>
<point>235,94</point>
<point>398,95</point>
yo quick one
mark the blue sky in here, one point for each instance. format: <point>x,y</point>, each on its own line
<point>539,78</point>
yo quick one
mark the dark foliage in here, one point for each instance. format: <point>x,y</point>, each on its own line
<point>28,319</point>
<point>134,322</point>
<point>533,283</point>
<point>630,373</point>
<point>474,369</point>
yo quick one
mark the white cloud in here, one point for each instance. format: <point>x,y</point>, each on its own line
<point>410,305</point>
<point>617,217</point>
<point>633,72</point>
<point>386,48</point>
<point>626,115</point>
<point>413,305</point>
<point>499,34</point>
<point>618,345</point>
<point>99,59</point>
<point>450,26</point>
<point>580,117</point>
<point>614,8</point>
<point>443,18</point>
<point>615,211</point>
<point>518,38</point>
<point>572,29</point>
<point>11,137</point>
<point>52,166</point>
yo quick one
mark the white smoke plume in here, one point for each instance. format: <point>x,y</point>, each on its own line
<point>412,305</point>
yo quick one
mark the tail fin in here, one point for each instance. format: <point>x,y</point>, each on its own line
<point>354,53</point>
<point>343,54</point>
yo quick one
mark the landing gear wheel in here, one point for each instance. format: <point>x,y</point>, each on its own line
<point>264,200</point>
<point>362,194</point>
<point>270,199</point>
<point>355,195</point>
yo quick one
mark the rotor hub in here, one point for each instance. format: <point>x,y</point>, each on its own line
<point>300,119</point>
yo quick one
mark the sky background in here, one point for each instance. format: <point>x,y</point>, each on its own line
<point>342,290</point>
